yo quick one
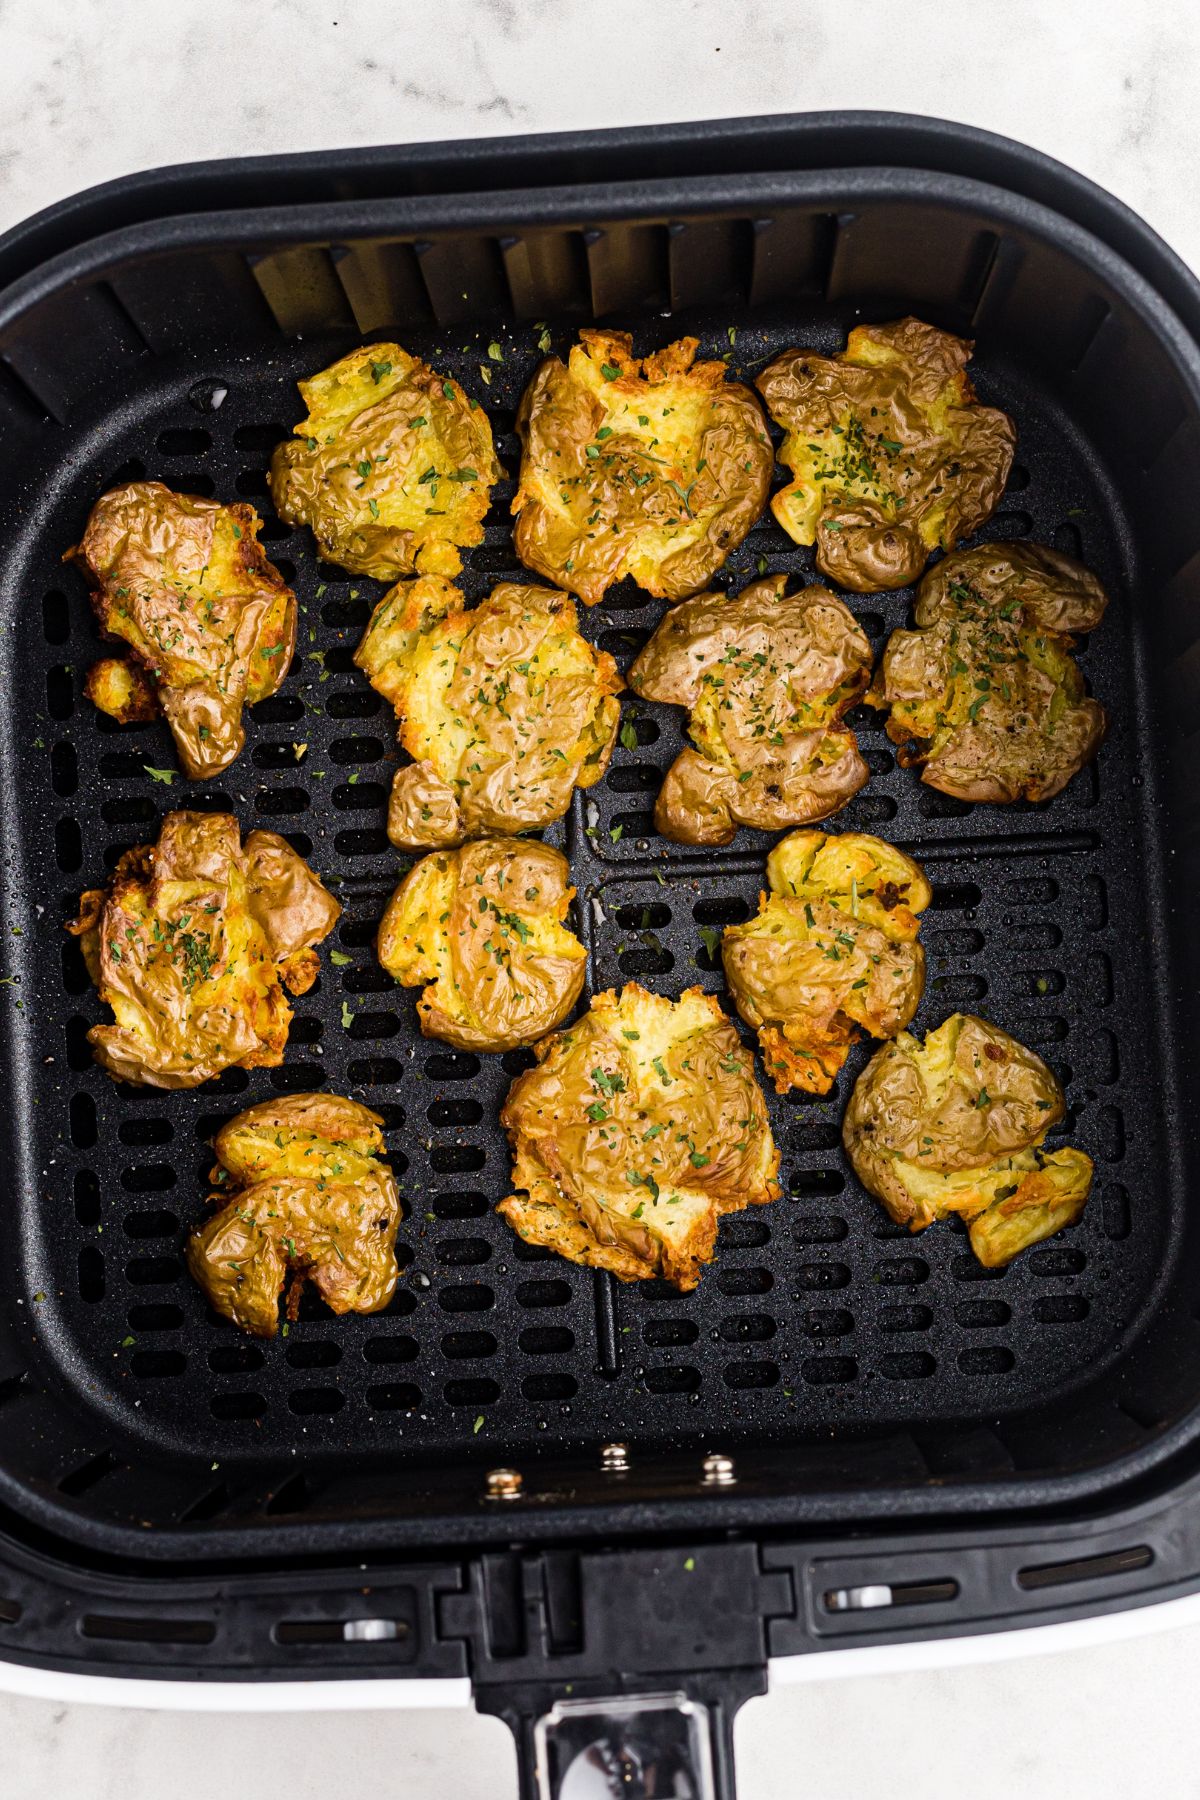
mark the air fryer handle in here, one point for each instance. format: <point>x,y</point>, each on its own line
<point>675,1743</point>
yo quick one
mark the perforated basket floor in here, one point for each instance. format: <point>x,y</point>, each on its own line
<point>818,1315</point>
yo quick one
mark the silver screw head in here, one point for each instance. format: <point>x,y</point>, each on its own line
<point>504,1484</point>
<point>718,1471</point>
<point>614,1458</point>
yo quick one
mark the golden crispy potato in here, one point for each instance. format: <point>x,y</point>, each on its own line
<point>642,1124</point>
<point>767,678</point>
<point>833,947</point>
<point>119,688</point>
<point>984,695</point>
<point>654,467</point>
<point>210,623</point>
<point>392,469</point>
<point>305,1196</point>
<point>189,943</point>
<point>954,1125</point>
<point>505,709</point>
<point>483,926</point>
<point>891,455</point>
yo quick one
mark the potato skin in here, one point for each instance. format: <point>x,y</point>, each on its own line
<point>641,1125</point>
<point>890,453</point>
<point>955,1126</point>
<point>304,1195</point>
<point>483,926</point>
<point>984,695</point>
<point>832,950</point>
<point>654,467</point>
<point>209,622</point>
<point>392,468</point>
<point>767,678</point>
<point>505,708</point>
<point>189,944</point>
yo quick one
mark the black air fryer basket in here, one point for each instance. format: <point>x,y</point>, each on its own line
<point>847,1435</point>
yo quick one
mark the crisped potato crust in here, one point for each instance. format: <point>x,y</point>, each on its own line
<point>955,1125</point>
<point>392,468</point>
<point>890,453</point>
<point>832,949</point>
<point>189,943</point>
<point>984,696</point>
<point>641,1125</point>
<point>484,928</point>
<point>767,678</point>
<point>654,467</point>
<point>304,1195</point>
<point>210,624</point>
<point>505,709</point>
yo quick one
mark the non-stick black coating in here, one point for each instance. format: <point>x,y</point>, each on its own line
<point>818,1316</point>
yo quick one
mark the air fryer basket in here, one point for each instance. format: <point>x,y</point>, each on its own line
<point>851,1372</point>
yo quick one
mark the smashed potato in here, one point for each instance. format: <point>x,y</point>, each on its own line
<point>767,678</point>
<point>654,467</point>
<point>210,624</point>
<point>891,455</point>
<point>484,927</point>
<point>955,1125</point>
<point>189,944</point>
<point>392,469</point>
<point>641,1125</point>
<point>984,696</point>
<point>833,948</point>
<point>305,1195</point>
<point>505,709</point>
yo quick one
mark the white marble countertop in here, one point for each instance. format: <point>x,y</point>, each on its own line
<point>89,90</point>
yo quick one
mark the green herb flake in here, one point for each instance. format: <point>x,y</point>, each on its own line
<point>166,776</point>
<point>339,958</point>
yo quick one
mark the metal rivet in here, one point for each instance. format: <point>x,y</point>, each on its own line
<point>614,1458</point>
<point>718,1471</point>
<point>504,1484</point>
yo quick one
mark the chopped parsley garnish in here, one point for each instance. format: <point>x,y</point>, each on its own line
<point>608,1084</point>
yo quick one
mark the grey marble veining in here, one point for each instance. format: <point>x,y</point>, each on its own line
<point>92,90</point>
